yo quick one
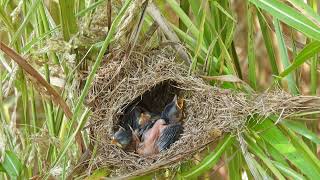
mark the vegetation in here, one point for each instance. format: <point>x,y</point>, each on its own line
<point>42,131</point>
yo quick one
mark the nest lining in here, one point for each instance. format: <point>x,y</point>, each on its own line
<point>151,80</point>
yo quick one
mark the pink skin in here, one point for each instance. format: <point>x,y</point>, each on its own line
<point>148,147</point>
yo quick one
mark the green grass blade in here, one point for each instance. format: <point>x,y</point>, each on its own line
<point>260,154</point>
<point>236,61</point>
<point>303,148</point>
<point>225,55</point>
<point>285,58</point>
<point>289,16</point>
<point>11,164</point>
<point>185,6</point>
<point>97,63</point>
<point>6,19</point>
<point>226,13</point>
<point>183,17</point>
<point>301,129</point>
<point>275,154</point>
<point>68,18</point>
<point>288,171</point>
<point>26,20</point>
<point>251,51</point>
<point>274,137</point>
<point>268,42</point>
<point>314,74</point>
<point>199,44</point>
<point>190,42</point>
<point>36,40</point>
<point>195,7</point>
<point>210,160</point>
<point>2,168</point>
<point>91,7</point>
<point>307,52</point>
<point>33,111</point>
<point>308,11</point>
<point>70,141</point>
<point>235,164</point>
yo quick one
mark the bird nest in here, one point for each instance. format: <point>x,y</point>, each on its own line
<point>151,79</point>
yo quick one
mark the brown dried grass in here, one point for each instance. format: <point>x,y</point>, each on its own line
<point>151,79</point>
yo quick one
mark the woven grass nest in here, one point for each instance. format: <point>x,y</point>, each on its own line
<point>151,79</point>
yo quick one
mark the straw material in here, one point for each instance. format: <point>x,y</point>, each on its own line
<point>151,79</point>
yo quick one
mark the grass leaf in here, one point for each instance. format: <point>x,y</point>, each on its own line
<point>91,7</point>
<point>99,58</point>
<point>26,20</point>
<point>273,136</point>
<point>301,129</point>
<point>268,42</point>
<point>11,164</point>
<point>210,160</point>
<point>289,16</point>
<point>183,17</point>
<point>251,52</point>
<point>288,171</point>
<point>307,52</point>
<point>285,58</point>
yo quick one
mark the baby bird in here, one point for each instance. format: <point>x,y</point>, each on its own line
<point>122,138</point>
<point>173,112</point>
<point>132,121</point>
<point>158,135</point>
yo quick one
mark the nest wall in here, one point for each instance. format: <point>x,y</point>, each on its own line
<point>153,78</point>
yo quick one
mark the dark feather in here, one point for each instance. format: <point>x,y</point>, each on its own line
<point>131,118</point>
<point>171,112</point>
<point>169,135</point>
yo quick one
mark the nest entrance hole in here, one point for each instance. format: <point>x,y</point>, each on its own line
<point>154,100</point>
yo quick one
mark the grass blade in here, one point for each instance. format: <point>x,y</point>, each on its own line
<point>307,52</point>
<point>185,6</point>
<point>83,120</point>
<point>289,16</point>
<point>268,42</point>
<point>303,148</point>
<point>11,164</point>
<point>285,58</point>
<point>199,43</point>
<point>301,129</point>
<point>235,164</point>
<point>29,69</point>
<point>260,154</point>
<point>288,171</point>
<point>251,52</point>
<point>306,10</point>
<point>274,137</point>
<point>91,7</point>
<point>183,17</point>
<point>210,160</point>
<point>68,18</point>
<point>26,20</point>
<point>97,63</point>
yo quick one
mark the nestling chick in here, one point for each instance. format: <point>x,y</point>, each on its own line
<point>122,138</point>
<point>158,135</point>
<point>131,122</point>
<point>173,112</point>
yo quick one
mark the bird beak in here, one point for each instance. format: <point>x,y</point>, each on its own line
<point>179,102</point>
<point>115,142</point>
<point>144,118</point>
